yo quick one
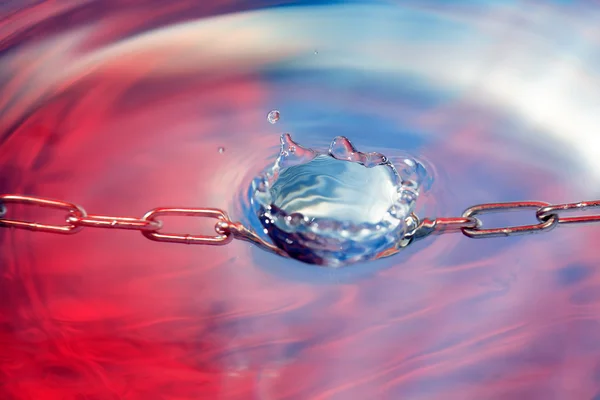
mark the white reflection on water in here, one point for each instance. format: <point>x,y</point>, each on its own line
<point>540,65</point>
<point>420,328</point>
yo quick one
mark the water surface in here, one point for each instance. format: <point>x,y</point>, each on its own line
<point>127,106</point>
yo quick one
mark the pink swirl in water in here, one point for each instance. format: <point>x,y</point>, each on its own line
<point>122,124</point>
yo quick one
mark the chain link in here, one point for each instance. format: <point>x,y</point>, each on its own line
<point>220,239</point>
<point>127,223</point>
<point>480,232</point>
<point>76,218</point>
<point>547,212</point>
<point>68,208</point>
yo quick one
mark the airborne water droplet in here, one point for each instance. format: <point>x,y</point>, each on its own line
<point>273,116</point>
<point>221,150</point>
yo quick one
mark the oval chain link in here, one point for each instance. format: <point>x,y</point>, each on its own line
<point>220,216</point>
<point>70,210</point>
<point>480,232</point>
<point>545,213</point>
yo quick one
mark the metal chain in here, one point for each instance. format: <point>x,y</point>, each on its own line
<point>548,216</point>
<point>77,218</point>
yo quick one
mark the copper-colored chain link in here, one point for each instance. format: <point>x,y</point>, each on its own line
<point>548,216</point>
<point>68,208</point>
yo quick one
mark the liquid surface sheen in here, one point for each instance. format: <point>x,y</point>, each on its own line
<point>123,106</point>
<point>339,206</point>
<point>336,189</point>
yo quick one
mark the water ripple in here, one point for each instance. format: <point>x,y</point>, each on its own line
<point>123,106</point>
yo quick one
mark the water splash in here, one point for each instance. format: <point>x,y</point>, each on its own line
<point>337,207</point>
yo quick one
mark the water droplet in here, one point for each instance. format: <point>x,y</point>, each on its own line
<point>273,116</point>
<point>292,153</point>
<point>221,150</point>
<point>342,149</point>
<point>316,52</point>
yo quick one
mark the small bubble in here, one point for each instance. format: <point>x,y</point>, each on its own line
<point>221,150</point>
<point>273,116</point>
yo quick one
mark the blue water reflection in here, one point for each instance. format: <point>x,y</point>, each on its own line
<point>123,106</point>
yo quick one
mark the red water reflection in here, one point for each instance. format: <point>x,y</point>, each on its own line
<point>111,315</point>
